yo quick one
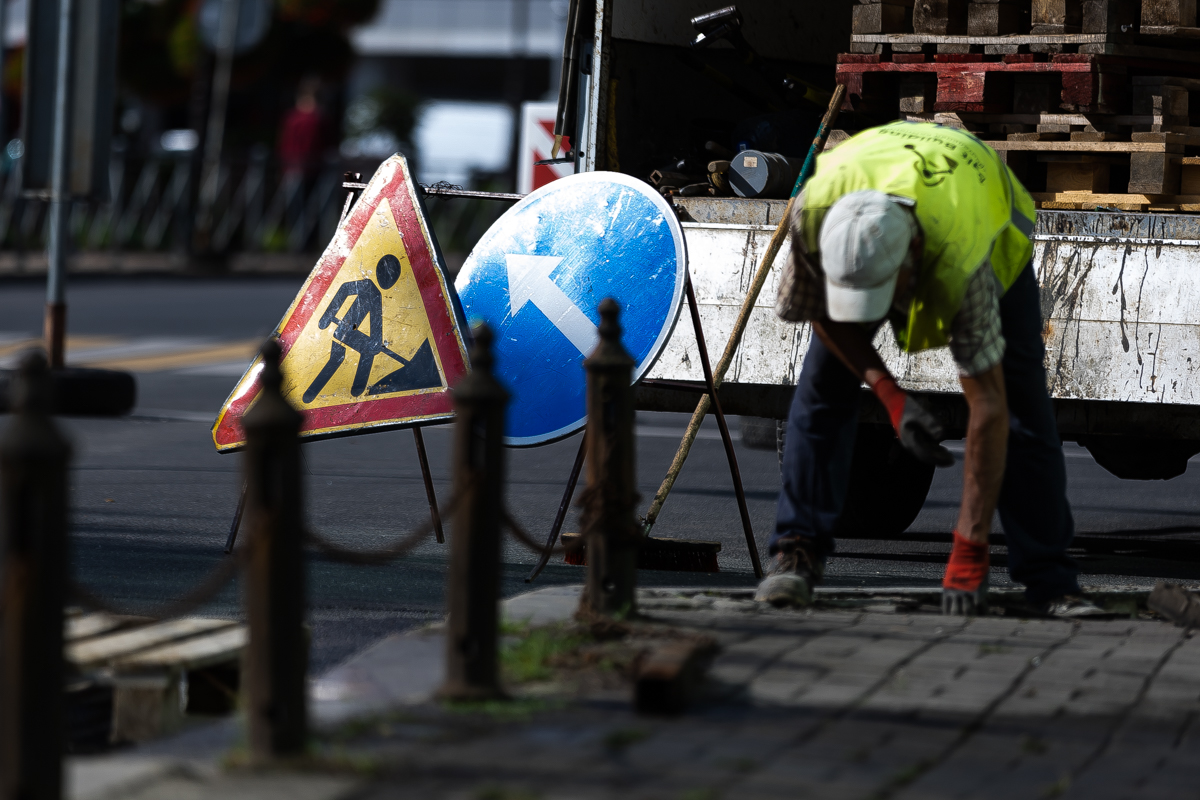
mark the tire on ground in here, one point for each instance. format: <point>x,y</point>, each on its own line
<point>887,485</point>
<point>1141,459</point>
<point>79,391</point>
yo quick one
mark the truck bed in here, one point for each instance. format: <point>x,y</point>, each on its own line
<point>1120,296</point>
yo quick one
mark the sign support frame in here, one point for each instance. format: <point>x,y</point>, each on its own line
<point>734,471</point>
<point>351,182</point>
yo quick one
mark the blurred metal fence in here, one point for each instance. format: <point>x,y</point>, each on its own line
<point>259,207</point>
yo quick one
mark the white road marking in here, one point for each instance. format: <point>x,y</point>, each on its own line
<point>170,415</point>
<point>225,369</point>
<point>83,354</point>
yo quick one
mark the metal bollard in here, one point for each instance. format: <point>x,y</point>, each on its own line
<point>33,529</point>
<point>610,529</point>
<point>277,656</point>
<point>472,672</point>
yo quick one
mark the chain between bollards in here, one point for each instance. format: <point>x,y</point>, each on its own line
<point>276,664</point>
<point>472,669</point>
<point>33,529</point>
<point>610,529</point>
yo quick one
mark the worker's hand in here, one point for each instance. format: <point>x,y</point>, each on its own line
<point>918,430</point>
<point>326,321</point>
<point>965,584</point>
<point>921,434</point>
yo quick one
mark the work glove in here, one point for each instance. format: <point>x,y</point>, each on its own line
<point>965,584</point>
<point>918,430</point>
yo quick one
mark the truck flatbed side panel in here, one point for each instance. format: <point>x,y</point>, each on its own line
<point>1120,296</point>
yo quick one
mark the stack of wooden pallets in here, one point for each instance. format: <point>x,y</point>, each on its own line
<point>1089,101</point>
<point>134,679</point>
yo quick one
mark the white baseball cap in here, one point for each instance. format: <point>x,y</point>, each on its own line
<point>864,239</point>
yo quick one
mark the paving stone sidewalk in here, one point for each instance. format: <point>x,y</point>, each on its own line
<point>862,697</point>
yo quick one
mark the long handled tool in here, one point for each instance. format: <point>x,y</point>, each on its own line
<point>739,328</point>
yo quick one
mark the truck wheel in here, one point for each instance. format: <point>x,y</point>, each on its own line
<point>1141,459</point>
<point>887,485</point>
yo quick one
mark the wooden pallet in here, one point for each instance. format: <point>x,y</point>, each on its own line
<point>1092,201</point>
<point>1166,28</point>
<point>1157,169</point>
<point>1087,44</point>
<point>1054,127</point>
<point>150,674</point>
<point>1019,84</point>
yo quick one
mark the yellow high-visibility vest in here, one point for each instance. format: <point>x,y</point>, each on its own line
<point>969,205</point>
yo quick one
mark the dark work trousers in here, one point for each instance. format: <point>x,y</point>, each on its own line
<point>1033,499</point>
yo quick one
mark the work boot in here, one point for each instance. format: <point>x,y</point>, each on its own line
<point>791,575</point>
<point>1073,606</point>
<point>965,584</point>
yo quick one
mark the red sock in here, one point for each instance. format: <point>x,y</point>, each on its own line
<point>892,397</point>
<point>968,565</point>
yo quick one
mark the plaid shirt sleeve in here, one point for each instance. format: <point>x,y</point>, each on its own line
<point>801,296</point>
<point>975,338</point>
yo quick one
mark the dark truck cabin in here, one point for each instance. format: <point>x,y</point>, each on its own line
<point>660,99</point>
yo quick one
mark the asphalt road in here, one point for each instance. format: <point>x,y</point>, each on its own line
<point>152,500</point>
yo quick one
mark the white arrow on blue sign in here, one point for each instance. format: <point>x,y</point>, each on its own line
<point>537,278</point>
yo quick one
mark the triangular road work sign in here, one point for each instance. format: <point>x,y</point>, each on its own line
<point>375,338</point>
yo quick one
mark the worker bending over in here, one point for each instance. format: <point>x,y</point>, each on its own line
<point>925,227</point>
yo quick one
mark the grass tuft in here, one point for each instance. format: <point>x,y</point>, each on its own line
<point>527,653</point>
<point>511,710</point>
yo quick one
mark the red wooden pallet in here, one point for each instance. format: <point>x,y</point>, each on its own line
<point>1090,82</point>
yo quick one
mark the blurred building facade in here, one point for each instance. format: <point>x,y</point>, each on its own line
<point>471,63</point>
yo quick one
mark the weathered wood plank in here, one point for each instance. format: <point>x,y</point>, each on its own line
<point>962,88</point>
<point>1171,30</point>
<point>880,18</point>
<point>1057,16</point>
<point>195,653</point>
<point>1189,175</point>
<point>1154,173</point>
<point>1174,13</point>
<point>1111,16</point>
<point>1179,202</point>
<point>1092,44</point>
<point>1170,139</point>
<point>964,38</point>
<point>89,625</point>
<point>997,18</point>
<point>101,650</point>
<point>1081,147</point>
<point>940,16</point>
<point>145,707</point>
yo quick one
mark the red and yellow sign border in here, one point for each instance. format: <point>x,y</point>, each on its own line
<point>394,182</point>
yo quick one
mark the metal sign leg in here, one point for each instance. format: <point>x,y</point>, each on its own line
<point>237,521</point>
<point>734,472</point>
<point>434,514</point>
<point>568,493</point>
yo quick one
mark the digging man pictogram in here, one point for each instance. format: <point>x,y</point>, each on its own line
<point>366,312</point>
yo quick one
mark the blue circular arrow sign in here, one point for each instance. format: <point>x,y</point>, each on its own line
<point>539,274</point>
